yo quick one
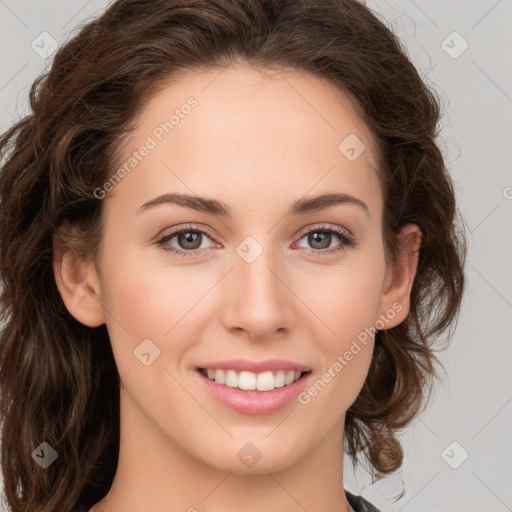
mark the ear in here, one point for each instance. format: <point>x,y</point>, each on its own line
<point>78,283</point>
<point>399,278</point>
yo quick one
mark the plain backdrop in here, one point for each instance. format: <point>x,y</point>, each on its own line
<point>457,455</point>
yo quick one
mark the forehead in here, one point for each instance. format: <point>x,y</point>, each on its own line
<point>242,133</point>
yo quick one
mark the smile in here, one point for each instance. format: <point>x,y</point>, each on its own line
<point>246,380</point>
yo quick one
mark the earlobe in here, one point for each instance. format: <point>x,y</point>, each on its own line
<point>79,287</point>
<point>399,279</point>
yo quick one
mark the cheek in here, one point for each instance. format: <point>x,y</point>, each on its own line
<point>143,301</point>
<point>347,299</point>
<point>348,308</point>
<point>346,349</point>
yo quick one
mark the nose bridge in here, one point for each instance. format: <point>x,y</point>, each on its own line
<point>263,302</point>
<point>260,280</point>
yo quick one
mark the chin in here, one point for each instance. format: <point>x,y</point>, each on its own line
<point>252,458</point>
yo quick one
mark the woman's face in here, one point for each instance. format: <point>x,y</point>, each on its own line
<point>262,281</point>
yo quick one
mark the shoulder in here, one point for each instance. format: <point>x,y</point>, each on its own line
<point>359,504</point>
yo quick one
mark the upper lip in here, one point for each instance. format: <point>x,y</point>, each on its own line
<point>255,366</point>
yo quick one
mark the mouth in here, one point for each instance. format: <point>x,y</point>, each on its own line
<point>264,391</point>
<point>244,380</point>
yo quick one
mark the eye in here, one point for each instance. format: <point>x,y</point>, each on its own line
<point>321,237</point>
<point>189,240</point>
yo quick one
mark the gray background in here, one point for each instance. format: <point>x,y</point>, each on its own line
<point>472,405</point>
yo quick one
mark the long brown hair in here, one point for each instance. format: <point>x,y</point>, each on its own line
<point>58,380</point>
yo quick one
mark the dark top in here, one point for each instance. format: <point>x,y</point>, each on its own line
<point>358,503</point>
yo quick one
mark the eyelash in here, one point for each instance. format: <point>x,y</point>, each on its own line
<point>346,238</point>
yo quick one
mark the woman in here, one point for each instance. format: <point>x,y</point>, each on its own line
<point>229,243</point>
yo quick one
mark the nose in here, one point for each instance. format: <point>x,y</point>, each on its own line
<point>259,303</point>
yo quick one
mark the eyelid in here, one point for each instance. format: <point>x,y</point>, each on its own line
<point>185,227</point>
<point>323,225</point>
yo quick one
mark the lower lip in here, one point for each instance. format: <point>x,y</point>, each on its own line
<point>255,402</point>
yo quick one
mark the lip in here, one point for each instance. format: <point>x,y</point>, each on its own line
<point>253,401</point>
<point>255,366</point>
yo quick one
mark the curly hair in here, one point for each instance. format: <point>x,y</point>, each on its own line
<point>58,380</point>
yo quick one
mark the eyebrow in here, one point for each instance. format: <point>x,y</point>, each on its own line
<point>215,207</point>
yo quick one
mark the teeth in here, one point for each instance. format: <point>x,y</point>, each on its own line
<point>266,381</point>
<point>219,376</point>
<point>289,378</point>
<point>279,379</point>
<point>231,379</point>
<point>248,380</point>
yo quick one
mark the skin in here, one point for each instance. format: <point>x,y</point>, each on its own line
<point>258,142</point>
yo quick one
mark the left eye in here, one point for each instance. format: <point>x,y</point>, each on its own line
<point>189,241</point>
<point>321,238</point>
